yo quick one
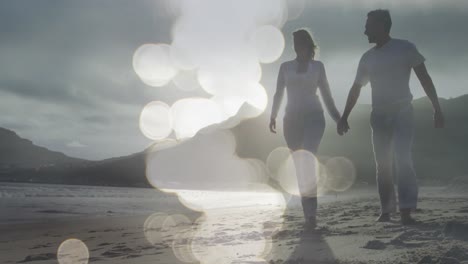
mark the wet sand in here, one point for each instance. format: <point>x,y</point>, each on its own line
<point>347,233</point>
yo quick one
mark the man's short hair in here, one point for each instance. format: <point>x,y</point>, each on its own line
<point>382,16</point>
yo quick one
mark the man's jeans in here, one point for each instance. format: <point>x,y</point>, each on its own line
<point>392,138</point>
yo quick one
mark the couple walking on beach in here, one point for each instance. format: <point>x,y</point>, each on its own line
<point>387,66</point>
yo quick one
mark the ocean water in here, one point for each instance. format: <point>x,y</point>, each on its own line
<point>29,202</point>
<point>26,202</point>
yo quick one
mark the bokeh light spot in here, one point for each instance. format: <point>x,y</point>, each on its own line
<point>341,174</point>
<point>268,42</point>
<point>153,64</point>
<point>156,120</point>
<point>298,175</point>
<point>73,251</point>
<point>192,114</point>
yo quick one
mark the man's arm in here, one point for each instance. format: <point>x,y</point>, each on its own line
<point>362,78</point>
<point>428,86</point>
<point>353,96</point>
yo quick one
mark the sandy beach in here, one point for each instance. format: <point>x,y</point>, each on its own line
<point>172,233</point>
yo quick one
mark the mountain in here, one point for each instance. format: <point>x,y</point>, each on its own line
<point>23,161</point>
<point>440,155</point>
<point>127,171</point>
<point>17,152</point>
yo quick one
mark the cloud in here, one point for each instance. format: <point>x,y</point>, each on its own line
<point>45,92</point>
<point>75,144</point>
<point>97,119</point>
<point>66,70</point>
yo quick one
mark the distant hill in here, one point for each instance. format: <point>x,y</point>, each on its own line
<point>23,161</point>
<point>125,171</point>
<point>17,152</point>
<point>440,155</point>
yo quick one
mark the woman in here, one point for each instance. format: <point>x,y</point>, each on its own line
<point>304,122</point>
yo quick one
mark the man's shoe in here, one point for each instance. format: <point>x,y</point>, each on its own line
<point>406,218</point>
<point>409,221</point>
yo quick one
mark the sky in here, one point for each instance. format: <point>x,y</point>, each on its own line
<point>67,81</point>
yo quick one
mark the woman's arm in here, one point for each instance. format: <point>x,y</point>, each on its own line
<point>327,96</point>
<point>277,98</point>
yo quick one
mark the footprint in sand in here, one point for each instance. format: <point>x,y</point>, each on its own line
<point>457,230</point>
<point>38,257</point>
<point>375,244</point>
<point>118,251</point>
<point>41,246</point>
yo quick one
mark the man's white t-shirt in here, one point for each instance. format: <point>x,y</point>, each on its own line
<point>388,69</point>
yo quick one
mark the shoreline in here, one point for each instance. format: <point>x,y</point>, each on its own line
<point>347,233</point>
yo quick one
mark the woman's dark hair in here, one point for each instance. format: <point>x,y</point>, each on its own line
<point>305,37</point>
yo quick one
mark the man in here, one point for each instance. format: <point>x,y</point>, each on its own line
<point>387,66</point>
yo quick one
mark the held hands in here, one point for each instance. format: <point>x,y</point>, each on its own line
<point>439,121</point>
<point>273,125</point>
<point>342,126</point>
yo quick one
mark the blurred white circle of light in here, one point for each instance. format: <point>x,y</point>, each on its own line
<point>341,174</point>
<point>229,75</point>
<point>234,204</point>
<point>245,111</point>
<point>195,28</point>
<point>73,251</point>
<point>155,82</point>
<point>229,105</point>
<point>275,160</point>
<point>295,8</point>
<point>268,247</point>
<point>210,163</point>
<point>153,228</point>
<point>156,120</point>
<point>219,141</point>
<point>153,64</point>
<point>192,114</point>
<point>193,199</point>
<point>269,12</point>
<point>193,44</point>
<point>268,42</point>
<point>176,223</point>
<point>190,44</point>
<point>186,80</point>
<point>171,7</point>
<point>254,195</point>
<point>322,188</point>
<point>161,145</point>
<point>177,226</point>
<point>298,175</point>
<point>180,56</point>
<point>153,174</point>
<point>226,251</point>
<point>211,255</point>
<point>181,247</point>
<point>258,170</point>
<point>249,251</point>
<point>257,97</point>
